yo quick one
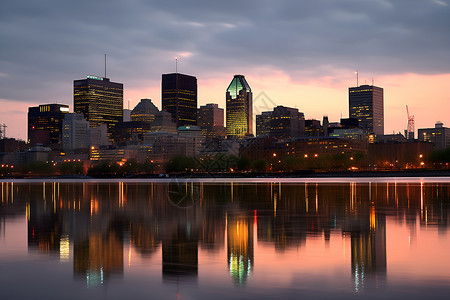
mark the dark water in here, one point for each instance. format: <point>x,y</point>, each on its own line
<point>178,240</point>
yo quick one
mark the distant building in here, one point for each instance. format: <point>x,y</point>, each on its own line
<point>45,124</point>
<point>195,135</point>
<point>281,123</point>
<point>126,115</point>
<point>99,100</point>
<point>349,133</point>
<point>144,111</point>
<point>349,123</point>
<point>263,123</point>
<point>210,115</point>
<point>391,138</point>
<point>366,103</point>
<point>313,128</point>
<point>286,122</point>
<point>98,136</point>
<point>179,98</point>
<point>162,146</point>
<point>439,136</point>
<point>75,132</point>
<point>11,145</point>
<point>132,131</point>
<point>163,122</point>
<point>211,120</point>
<point>239,107</point>
<point>325,125</point>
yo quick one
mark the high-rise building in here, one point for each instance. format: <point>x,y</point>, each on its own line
<point>45,124</point>
<point>366,105</point>
<point>99,100</point>
<point>239,108</point>
<point>179,98</point>
<point>210,120</point>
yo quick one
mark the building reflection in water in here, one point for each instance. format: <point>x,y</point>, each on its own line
<point>368,244</point>
<point>239,247</point>
<point>92,223</point>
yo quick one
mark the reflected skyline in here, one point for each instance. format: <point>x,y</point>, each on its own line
<point>245,230</point>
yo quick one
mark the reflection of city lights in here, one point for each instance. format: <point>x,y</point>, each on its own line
<point>94,279</point>
<point>372,218</point>
<point>94,207</point>
<point>64,248</point>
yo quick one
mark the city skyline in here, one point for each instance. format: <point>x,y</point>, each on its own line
<point>299,54</point>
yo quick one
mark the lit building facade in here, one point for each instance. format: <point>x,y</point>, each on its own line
<point>439,136</point>
<point>281,123</point>
<point>263,123</point>
<point>239,107</point>
<point>211,121</point>
<point>179,98</point>
<point>144,111</point>
<point>286,122</point>
<point>99,100</point>
<point>366,103</point>
<point>313,128</point>
<point>45,124</point>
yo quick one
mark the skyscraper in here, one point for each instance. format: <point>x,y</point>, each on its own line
<point>99,100</point>
<point>45,124</point>
<point>239,108</point>
<point>366,105</point>
<point>179,98</point>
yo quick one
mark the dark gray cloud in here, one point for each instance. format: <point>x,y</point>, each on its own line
<point>47,44</point>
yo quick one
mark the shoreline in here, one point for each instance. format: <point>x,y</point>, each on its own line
<point>307,175</point>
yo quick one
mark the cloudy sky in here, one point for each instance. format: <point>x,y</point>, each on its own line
<point>295,53</point>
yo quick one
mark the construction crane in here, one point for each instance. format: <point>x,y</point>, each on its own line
<point>410,128</point>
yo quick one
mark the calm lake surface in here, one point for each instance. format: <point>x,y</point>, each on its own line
<point>229,239</point>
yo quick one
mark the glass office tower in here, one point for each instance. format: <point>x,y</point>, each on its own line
<point>366,105</point>
<point>99,100</point>
<point>239,107</point>
<point>179,98</point>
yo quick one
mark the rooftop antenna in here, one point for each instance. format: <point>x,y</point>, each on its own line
<point>356,72</point>
<point>176,64</point>
<point>128,104</point>
<point>105,65</point>
<point>372,81</point>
